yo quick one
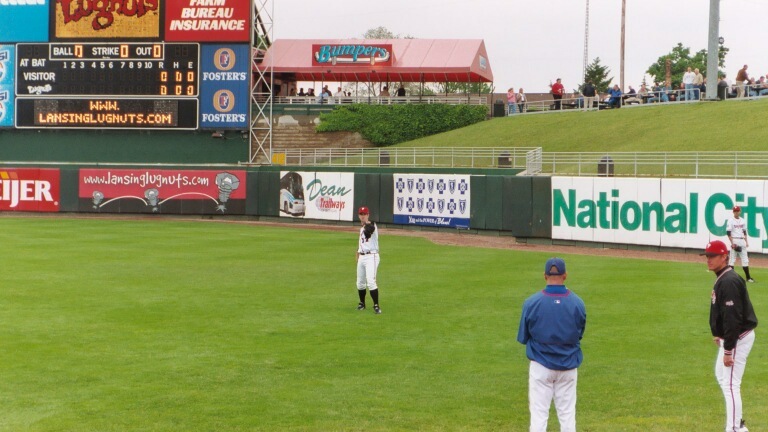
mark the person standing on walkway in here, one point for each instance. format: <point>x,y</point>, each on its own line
<point>558,90</point>
<point>511,101</point>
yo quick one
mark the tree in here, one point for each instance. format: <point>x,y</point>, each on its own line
<point>459,87</point>
<point>598,75</point>
<point>383,33</point>
<point>680,59</point>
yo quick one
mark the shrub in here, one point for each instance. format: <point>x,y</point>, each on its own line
<point>385,125</point>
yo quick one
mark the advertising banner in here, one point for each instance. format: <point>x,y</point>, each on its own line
<point>351,55</point>
<point>208,21</point>
<point>107,19</point>
<point>7,84</point>
<point>225,86</point>
<point>24,20</point>
<point>29,189</point>
<point>162,191</point>
<point>657,212</point>
<point>317,195</point>
<point>432,199</point>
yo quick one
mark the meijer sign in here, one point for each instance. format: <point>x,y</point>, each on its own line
<point>658,212</point>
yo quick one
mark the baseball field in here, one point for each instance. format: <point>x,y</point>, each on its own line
<point>174,325</point>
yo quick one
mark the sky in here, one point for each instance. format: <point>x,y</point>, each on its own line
<point>533,42</point>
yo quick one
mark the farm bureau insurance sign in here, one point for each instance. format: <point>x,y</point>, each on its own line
<point>658,212</point>
<point>432,200</point>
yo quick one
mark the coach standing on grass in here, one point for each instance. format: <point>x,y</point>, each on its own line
<point>732,320</point>
<point>551,328</point>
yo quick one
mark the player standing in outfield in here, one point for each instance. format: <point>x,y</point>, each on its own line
<point>551,328</point>
<point>737,234</point>
<point>367,260</point>
<point>732,321</point>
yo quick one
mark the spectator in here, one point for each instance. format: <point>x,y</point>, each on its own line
<point>301,92</point>
<point>292,92</point>
<point>558,90</point>
<point>401,91</point>
<point>751,89</point>
<point>310,92</point>
<point>511,101</point>
<point>384,92</point>
<point>763,87</point>
<point>521,101</point>
<point>688,78</point>
<point>741,78</point>
<point>643,93</point>
<point>615,97</point>
<point>659,94</point>
<point>589,93</point>
<point>631,96</point>
<point>339,95</point>
<point>698,84</point>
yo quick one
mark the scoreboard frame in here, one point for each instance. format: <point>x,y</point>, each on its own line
<point>124,56</point>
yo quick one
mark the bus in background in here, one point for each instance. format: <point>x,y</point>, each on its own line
<point>292,194</point>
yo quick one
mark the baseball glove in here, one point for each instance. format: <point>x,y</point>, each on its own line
<point>737,248</point>
<point>368,230</point>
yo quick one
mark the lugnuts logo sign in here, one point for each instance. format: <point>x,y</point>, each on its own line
<point>105,19</point>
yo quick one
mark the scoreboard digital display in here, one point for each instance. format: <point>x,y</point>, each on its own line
<point>92,113</point>
<point>109,69</point>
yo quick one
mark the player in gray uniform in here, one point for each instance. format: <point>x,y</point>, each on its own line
<point>367,260</point>
<point>737,234</point>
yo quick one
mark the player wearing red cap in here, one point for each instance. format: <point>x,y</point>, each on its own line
<point>732,321</point>
<point>737,234</point>
<point>367,260</point>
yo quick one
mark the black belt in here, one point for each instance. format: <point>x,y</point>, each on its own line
<point>367,253</point>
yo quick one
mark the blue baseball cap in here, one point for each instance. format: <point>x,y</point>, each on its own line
<point>557,263</point>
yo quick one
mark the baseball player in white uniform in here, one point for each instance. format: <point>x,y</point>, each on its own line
<point>367,260</point>
<point>737,234</point>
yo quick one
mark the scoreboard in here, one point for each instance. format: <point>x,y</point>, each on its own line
<point>169,67</point>
<point>107,69</point>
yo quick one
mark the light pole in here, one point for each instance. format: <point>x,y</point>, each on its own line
<point>623,22</point>
<point>713,49</point>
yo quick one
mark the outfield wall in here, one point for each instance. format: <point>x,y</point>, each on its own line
<point>475,199</point>
<point>603,211</point>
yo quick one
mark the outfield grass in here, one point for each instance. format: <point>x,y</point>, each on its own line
<point>161,325</point>
<point>713,126</point>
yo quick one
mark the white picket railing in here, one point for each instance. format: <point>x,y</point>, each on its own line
<point>534,161</point>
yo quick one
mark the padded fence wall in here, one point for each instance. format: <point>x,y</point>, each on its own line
<point>518,206</point>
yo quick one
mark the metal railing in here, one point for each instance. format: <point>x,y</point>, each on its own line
<point>534,161</point>
<point>457,99</point>
<point>425,157</point>
<point>741,165</point>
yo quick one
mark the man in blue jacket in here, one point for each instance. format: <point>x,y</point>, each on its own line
<point>551,328</point>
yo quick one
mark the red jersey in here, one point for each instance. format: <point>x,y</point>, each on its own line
<point>558,89</point>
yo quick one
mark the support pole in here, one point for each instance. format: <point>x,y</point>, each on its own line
<point>713,50</point>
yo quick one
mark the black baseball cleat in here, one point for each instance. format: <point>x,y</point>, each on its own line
<point>360,306</point>
<point>743,427</point>
<point>376,309</point>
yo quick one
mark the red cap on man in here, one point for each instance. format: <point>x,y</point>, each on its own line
<point>736,208</point>
<point>715,248</point>
<point>363,211</point>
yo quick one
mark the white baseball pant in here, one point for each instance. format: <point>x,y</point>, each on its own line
<point>544,385</point>
<point>729,379</point>
<point>367,266</point>
<point>742,255</point>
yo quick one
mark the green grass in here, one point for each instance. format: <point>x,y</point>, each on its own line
<point>721,126</point>
<point>160,325</point>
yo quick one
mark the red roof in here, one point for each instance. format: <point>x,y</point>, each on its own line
<point>413,60</point>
